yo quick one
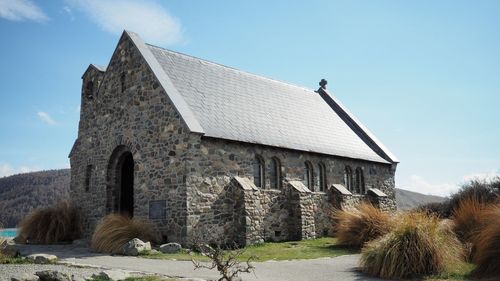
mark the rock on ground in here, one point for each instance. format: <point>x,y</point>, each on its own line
<point>170,248</point>
<point>42,258</point>
<point>115,275</point>
<point>20,271</point>
<point>8,248</point>
<point>52,275</point>
<point>135,246</point>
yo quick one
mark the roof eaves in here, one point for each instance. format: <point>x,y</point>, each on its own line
<point>366,135</point>
<point>94,66</point>
<point>177,100</point>
<point>99,67</point>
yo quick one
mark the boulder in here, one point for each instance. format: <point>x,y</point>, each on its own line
<point>170,248</point>
<point>135,246</point>
<point>25,277</point>
<point>9,248</point>
<point>114,275</point>
<point>42,258</point>
<point>52,275</point>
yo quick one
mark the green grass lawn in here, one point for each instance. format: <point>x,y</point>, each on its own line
<point>460,271</point>
<point>307,249</point>
<point>13,260</point>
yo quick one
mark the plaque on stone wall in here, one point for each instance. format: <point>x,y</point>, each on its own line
<point>157,209</point>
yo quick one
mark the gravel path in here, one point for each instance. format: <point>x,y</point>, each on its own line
<point>17,270</point>
<point>343,268</point>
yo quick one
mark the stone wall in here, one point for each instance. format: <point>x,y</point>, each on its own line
<point>213,165</point>
<point>130,110</point>
<point>324,204</point>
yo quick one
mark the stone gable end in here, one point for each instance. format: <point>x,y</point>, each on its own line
<point>130,109</point>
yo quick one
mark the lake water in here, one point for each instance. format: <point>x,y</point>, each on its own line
<point>8,232</point>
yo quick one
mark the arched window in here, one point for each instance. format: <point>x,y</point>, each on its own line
<point>348,178</point>
<point>360,181</point>
<point>309,175</point>
<point>258,171</point>
<point>89,90</point>
<point>322,177</point>
<point>275,173</point>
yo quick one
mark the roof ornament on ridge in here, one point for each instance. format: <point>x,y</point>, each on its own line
<point>322,84</point>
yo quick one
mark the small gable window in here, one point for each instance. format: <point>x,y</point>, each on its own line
<point>322,177</point>
<point>89,90</point>
<point>258,171</point>
<point>348,178</point>
<point>360,181</point>
<point>309,175</point>
<point>275,173</point>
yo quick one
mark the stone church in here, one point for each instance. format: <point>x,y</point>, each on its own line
<point>195,146</point>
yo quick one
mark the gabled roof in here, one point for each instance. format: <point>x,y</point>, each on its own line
<point>222,102</point>
<point>96,67</point>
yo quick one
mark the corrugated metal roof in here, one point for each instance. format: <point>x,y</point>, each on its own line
<point>235,105</point>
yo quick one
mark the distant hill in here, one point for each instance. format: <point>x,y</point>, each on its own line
<point>406,199</point>
<point>22,193</point>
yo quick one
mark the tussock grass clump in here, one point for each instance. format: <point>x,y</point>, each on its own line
<point>116,230</point>
<point>487,244</point>
<point>418,245</point>
<point>356,227</point>
<point>50,225</point>
<point>468,218</point>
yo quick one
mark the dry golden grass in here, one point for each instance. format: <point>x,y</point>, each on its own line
<point>418,245</point>
<point>487,244</point>
<point>50,225</point>
<point>468,218</point>
<point>356,227</point>
<point>116,230</point>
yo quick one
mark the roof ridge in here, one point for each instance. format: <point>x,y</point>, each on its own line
<point>232,68</point>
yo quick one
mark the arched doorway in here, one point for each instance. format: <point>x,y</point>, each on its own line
<point>120,188</point>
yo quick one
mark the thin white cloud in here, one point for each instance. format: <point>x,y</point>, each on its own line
<point>67,10</point>
<point>420,185</point>
<point>8,170</point>
<point>45,117</point>
<point>488,176</point>
<point>152,21</point>
<point>20,10</point>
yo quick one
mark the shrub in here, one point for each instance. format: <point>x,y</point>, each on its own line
<point>50,225</point>
<point>483,190</point>
<point>439,209</point>
<point>418,245</point>
<point>356,227</point>
<point>116,230</point>
<point>487,244</point>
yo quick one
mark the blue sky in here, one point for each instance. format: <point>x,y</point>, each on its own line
<point>424,76</point>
